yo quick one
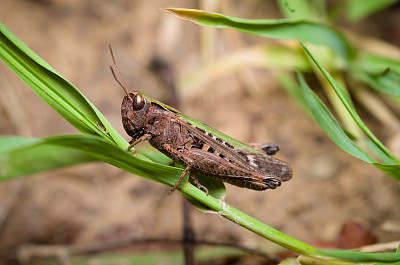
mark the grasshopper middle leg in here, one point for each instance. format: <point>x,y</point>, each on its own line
<point>188,161</point>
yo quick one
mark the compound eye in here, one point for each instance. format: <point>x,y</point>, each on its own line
<point>138,102</point>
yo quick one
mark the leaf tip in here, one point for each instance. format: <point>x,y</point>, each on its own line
<point>168,10</point>
<point>183,13</point>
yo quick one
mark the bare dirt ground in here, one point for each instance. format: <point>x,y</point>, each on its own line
<point>96,202</point>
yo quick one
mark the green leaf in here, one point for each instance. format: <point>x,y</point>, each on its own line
<point>349,107</point>
<point>61,95</point>
<point>216,188</point>
<point>20,156</point>
<point>299,9</point>
<point>387,81</point>
<point>8,144</point>
<point>381,73</point>
<point>304,30</point>
<point>352,260</point>
<point>389,169</point>
<point>154,155</point>
<point>358,9</point>
<point>361,256</point>
<point>86,147</point>
<point>112,154</point>
<point>377,152</point>
<point>377,63</point>
<point>329,124</point>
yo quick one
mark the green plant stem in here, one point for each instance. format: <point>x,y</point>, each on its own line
<point>304,260</point>
<point>249,223</point>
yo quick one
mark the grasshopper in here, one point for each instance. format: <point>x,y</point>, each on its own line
<point>201,149</point>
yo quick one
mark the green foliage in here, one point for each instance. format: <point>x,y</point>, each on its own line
<point>20,156</point>
<point>358,9</point>
<point>304,24</point>
<point>332,128</point>
<point>326,120</point>
<point>87,147</point>
<point>378,72</point>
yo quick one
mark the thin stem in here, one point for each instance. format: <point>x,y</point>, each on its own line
<point>28,252</point>
<point>250,223</point>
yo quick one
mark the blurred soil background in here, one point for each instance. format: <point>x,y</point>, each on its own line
<point>97,202</point>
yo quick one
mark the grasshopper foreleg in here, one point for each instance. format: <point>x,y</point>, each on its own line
<point>142,138</point>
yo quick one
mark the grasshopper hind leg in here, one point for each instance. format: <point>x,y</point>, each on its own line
<point>198,184</point>
<point>272,183</point>
<point>186,160</point>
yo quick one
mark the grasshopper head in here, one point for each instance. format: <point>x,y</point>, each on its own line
<point>134,111</point>
<point>134,107</point>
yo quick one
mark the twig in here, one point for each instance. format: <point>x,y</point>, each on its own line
<point>29,252</point>
<point>189,235</point>
<point>64,252</point>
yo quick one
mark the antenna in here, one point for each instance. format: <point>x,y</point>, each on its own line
<point>123,85</point>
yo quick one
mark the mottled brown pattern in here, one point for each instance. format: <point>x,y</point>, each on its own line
<point>200,151</point>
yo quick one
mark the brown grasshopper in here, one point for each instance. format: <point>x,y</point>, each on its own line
<point>201,149</point>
